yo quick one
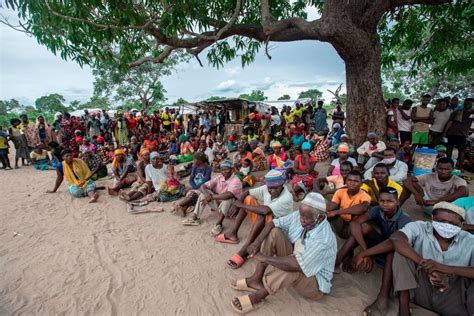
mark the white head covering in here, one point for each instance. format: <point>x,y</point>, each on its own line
<point>450,207</point>
<point>315,200</point>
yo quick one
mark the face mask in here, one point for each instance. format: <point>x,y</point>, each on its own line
<point>245,171</point>
<point>388,161</point>
<point>446,230</point>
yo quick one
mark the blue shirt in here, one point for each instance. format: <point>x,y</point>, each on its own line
<point>297,140</point>
<point>320,247</point>
<point>467,203</point>
<point>199,176</point>
<point>388,225</point>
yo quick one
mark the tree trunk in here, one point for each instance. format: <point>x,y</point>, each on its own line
<point>365,109</point>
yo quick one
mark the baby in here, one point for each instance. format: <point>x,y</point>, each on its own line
<point>172,184</point>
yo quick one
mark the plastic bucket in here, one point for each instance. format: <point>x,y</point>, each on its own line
<point>424,161</point>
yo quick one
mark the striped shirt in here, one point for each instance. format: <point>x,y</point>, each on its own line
<point>320,247</point>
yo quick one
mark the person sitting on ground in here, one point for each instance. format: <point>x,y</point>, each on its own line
<point>345,141</point>
<point>329,185</point>
<point>343,153</point>
<point>134,147</point>
<point>87,145</point>
<point>304,173</point>
<point>171,189</point>
<point>379,156</point>
<point>40,158</point>
<point>434,263</point>
<point>150,142</point>
<point>200,174</point>
<point>429,189</point>
<point>297,139</point>
<point>219,193</point>
<point>278,158</point>
<point>123,168</point>
<point>245,174</point>
<point>321,147</point>
<point>301,248</point>
<point>242,154</point>
<point>97,168</point>
<point>398,169</point>
<point>346,204</point>
<point>78,178</point>
<point>186,149</point>
<point>261,205</point>
<point>371,232</point>
<point>380,179</point>
<point>259,159</point>
<point>372,145</point>
<point>140,187</point>
<point>204,148</point>
<point>220,152</point>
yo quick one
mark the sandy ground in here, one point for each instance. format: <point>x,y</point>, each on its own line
<point>60,255</point>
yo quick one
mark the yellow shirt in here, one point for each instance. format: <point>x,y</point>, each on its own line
<point>166,118</point>
<point>3,142</point>
<point>288,118</point>
<point>298,112</point>
<point>391,184</point>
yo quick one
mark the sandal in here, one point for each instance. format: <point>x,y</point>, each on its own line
<point>241,285</point>
<point>221,238</point>
<point>191,222</point>
<point>246,305</point>
<point>216,230</point>
<point>236,261</point>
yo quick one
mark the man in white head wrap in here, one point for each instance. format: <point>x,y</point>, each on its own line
<point>302,249</point>
<point>372,146</point>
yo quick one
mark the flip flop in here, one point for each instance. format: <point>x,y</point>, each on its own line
<point>241,285</point>
<point>237,261</point>
<point>216,230</point>
<point>246,305</point>
<point>221,238</point>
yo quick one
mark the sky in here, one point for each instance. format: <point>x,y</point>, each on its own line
<point>28,71</point>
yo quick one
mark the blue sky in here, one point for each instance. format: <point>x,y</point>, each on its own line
<point>28,71</point>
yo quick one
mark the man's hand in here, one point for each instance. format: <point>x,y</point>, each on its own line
<point>430,266</point>
<point>238,204</point>
<point>331,214</point>
<point>357,262</point>
<point>419,200</point>
<point>429,202</point>
<point>260,257</point>
<point>253,249</point>
<point>368,264</point>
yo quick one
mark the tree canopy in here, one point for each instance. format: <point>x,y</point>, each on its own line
<point>285,97</point>
<point>50,104</point>
<point>313,94</point>
<point>255,95</point>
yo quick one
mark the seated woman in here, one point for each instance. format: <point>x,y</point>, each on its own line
<point>343,140</point>
<point>343,153</point>
<point>78,177</point>
<point>134,147</point>
<point>200,174</point>
<point>242,154</point>
<point>87,145</point>
<point>40,158</point>
<point>232,142</point>
<point>139,187</point>
<point>220,152</point>
<point>304,171</point>
<point>150,142</point>
<point>124,171</point>
<point>186,149</point>
<point>279,160</point>
<point>93,161</point>
<point>259,159</point>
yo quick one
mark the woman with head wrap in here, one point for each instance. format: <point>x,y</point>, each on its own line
<point>68,127</point>
<point>40,158</point>
<point>259,159</point>
<point>124,172</point>
<point>93,161</point>
<point>242,154</point>
<point>121,129</point>
<point>45,132</point>
<point>304,171</point>
<point>186,149</point>
<point>78,177</point>
<point>220,152</point>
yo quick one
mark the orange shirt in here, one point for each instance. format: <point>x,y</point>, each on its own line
<point>342,198</point>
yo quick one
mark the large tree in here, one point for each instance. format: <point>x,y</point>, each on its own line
<point>255,95</point>
<point>313,94</point>
<point>227,29</point>
<point>50,104</point>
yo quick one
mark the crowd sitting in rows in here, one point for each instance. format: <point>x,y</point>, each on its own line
<point>262,172</point>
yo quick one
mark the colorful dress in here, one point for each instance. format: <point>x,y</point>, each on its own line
<point>304,181</point>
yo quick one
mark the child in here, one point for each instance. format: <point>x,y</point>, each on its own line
<point>244,174</point>
<point>4,150</point>
<point>172,189</point>
<point>134,147</point>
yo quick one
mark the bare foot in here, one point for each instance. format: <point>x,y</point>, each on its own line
<point>94,197</point>
<point>347,265</point>
<point>111,191</point>
<point>378,307</point>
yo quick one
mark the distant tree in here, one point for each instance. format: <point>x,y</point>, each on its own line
<point>74,105</point>
<point>7,106</point>
<point>255,95</point>
<point>96,102</point>
<point>50,104</point>
<point>179,102</point>
<point>313,94</point>
<point>285,97</point>
<point>215,98</point>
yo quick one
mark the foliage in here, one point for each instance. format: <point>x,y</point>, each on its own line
<point>50,104</point>
<point>215,98</point>
<point>285,97</point>
<point>180,101</point>
<point>313,94</point>
<point>255,95</point>
<point>7,106</point>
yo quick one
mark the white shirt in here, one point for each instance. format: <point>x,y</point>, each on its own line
<point>281,206</point>
<point>440,120</point>
<point>365,148</point>
<point>276,120</point>
<point>155,175</point>
<point>404,125</point>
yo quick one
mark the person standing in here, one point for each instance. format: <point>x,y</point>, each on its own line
<point>441,116</point>
<point>404,122</point>
<point>320,118</point>
<point>457,130</point>
<point>422,117</point>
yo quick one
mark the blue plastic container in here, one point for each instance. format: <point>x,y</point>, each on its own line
<point>424,161</point>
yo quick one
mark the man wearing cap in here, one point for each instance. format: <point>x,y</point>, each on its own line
<point>275,201</point>
<point>300,247</point>
<point>219,193</point>
<point>372,145</point>
<point>343,153</point>
<point>435,262</point>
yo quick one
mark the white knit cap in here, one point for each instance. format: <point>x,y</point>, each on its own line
<point>315,200</point>
<point>450,207</point>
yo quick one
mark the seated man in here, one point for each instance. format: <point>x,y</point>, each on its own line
<point>398,169</point>
<point>347,202</point>
<point>219,193</point>
<point>372,146</point>
<point>329,185</point>
<point>301,247</point>
<point>371,232</point>
<point>467,203</point>
<point>435,262</point>
<point>429,189</point>
<point>276,200</point>
<point>380,179</point>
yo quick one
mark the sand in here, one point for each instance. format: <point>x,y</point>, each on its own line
<point>60,255</point>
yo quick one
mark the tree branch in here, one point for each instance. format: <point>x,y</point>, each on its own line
<point>156,60</point>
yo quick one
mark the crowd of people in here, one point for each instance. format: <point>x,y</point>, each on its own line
<point>261,173</point>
